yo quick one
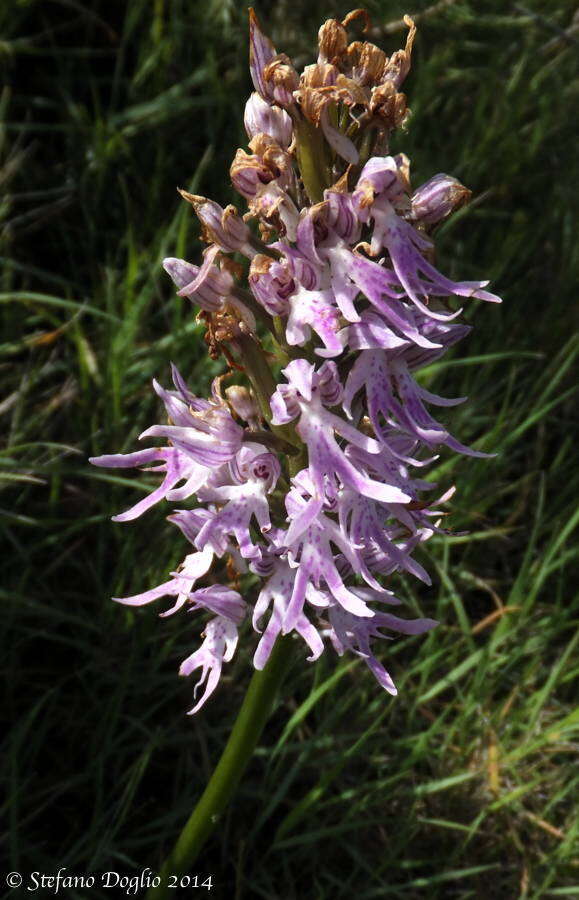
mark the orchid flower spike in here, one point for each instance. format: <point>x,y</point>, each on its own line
<point>324,301</point>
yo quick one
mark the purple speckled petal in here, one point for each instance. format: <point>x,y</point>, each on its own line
<point>177,467</point>
<point>372,333</point>
<point>299,374</point>
<point>375,283</point>
<point>218,647</point>
<point>262,118</point>
<point>345,291</point>
<point>207,449</point>
<point>195,565</point>
<point>404,243</point>
<point>278,589</point>
<point>314,310</point>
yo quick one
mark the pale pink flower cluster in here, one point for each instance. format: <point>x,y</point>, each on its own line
<point>308,479</point>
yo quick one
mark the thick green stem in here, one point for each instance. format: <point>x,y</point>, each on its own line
<point>259,372</point>
<point>263,383</point>
<point>271,440</point>
<point>298,462</point>
<point>259,245</point>
<point>312,161</point>
<point>246,732</point>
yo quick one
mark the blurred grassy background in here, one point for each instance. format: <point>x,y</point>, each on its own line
<point>465,785</point>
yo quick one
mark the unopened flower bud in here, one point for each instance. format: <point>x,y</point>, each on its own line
<point>181,271</point>
<point>261,52</point>
<point>207,286</point>
<point>437,198</point>
<point>223,227</point>
<point>243,404</point>
<point>261,118</point>
<point>273,75</point>
<point>249,173</point>
<point>382,176</point>
<point>272,284</point>
<point>245,317</point>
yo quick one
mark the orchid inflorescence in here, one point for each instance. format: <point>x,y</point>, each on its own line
<point>304,471</point>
